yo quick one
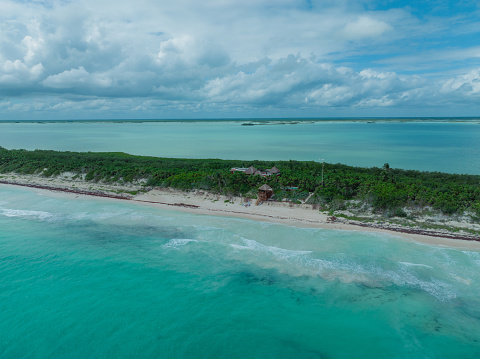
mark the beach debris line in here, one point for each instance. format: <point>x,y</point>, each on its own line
<point>96,193</point>
<point>332,220</point>
<point>403,197</point>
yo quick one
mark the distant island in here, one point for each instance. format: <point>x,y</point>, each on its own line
<point>441,204</point>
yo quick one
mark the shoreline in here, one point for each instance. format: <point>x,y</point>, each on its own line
<point>266,120</point>
<point>204,203</point>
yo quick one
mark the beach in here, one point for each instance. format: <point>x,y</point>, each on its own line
<point>206,203</point>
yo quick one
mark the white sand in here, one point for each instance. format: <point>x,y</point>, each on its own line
<point>277,212</point>
<point>204,203</point>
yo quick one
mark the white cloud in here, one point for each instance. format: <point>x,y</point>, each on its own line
<point>221,54</point>
<point>76,78</point>
<point>33,47</point>
<point>176,50</point>
<point>298,82</point>
<point>17,73</point>
<point>465,86</point>
<point>364,27</point>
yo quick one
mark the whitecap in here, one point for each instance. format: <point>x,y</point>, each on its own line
<point>348,271</point>
<point>408,264</point>
<point>178,242</point>
<point>42,215</point>
<point>281,253</point>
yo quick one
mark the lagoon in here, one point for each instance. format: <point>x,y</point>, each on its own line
<point>428,145</point>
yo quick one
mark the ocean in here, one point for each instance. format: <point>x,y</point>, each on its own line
<point>97,278</point>
<point>443,145</point>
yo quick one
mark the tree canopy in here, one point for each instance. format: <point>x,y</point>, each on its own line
<point>385,189</point>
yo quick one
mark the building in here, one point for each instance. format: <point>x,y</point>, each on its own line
<point>264,193</point>
<point>274,171</point>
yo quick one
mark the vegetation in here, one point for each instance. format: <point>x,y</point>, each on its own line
<point>386,190</point>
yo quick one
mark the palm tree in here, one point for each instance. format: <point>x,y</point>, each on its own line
<point>386,174</point>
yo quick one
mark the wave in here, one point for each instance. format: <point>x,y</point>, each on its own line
<point>178,242</point>
<point>41,215</point>
<point>347,270</point>
<point>280,253</point>
<point>344,259</point>
<point>408,264</point>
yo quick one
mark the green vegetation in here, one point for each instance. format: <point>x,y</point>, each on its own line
<point>385,190</point>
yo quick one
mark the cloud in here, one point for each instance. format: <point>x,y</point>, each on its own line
<point>298,82</point>
<point>77,78</point>
<point>17,74</point>
<point>146,56</point>
<point>463,88</point>
<point>365,27</point>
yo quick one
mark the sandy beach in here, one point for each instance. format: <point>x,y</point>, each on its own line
<point>205,203</point>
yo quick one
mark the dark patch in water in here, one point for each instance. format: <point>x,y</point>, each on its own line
<point>470,310</point>
<point>108,233</point>
<point>303,352</point>
<point>168,232</point>
<point>252,278</point>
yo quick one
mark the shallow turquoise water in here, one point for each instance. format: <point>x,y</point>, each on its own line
<point>88,278</point>
<point>425,145</point>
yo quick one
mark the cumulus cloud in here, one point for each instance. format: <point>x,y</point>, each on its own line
<point>76,78</point>
<point>17,74</point>
<point>188,55</point>
<point>468,84</point>
<point>299,82</point>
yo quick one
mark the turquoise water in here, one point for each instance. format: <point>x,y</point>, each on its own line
<point>421,145</point>
<point>94,278</point>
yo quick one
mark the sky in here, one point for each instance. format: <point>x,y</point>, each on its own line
<point>156,59</point>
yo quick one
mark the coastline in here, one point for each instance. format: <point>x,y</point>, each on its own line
<point>205,203</point>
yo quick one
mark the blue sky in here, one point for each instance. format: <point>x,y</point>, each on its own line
<point>62,59</point>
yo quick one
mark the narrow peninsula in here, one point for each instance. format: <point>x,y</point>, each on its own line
<point>296,192</point>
